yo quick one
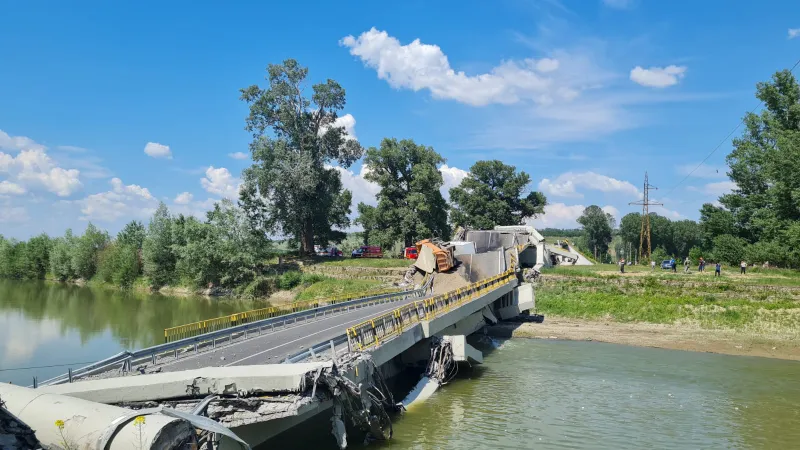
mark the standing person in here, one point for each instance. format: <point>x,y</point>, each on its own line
<point>686,263</point>
<point>653,265</point>
<point>702,265</point>
<point>674,265</point>
<point>718,270</point>
<point>622,265</point>
<point>743,265</point>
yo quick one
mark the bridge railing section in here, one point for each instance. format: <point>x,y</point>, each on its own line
<point>170,351</point>
<point>220,323</point>
<point>372,332</point>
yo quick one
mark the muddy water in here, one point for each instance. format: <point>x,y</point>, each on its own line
<point>52,324</point>
<point>567,395</point>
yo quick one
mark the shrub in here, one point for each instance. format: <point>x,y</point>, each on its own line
<point>290,280</point>
<point>260,287</point>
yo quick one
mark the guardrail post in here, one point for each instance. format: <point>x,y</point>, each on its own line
<point>311,350</point>
<point>35,382</point>
<point>69,374</point>
<point>153,357</point>
<point>195,346</point>
<point>333,350</point>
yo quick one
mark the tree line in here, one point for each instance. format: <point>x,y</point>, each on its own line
<point>293,190</point>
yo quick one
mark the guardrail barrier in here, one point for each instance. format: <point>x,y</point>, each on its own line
<point>372,332</point>
<point>220,323</point>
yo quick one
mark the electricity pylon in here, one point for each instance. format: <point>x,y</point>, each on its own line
<point>644,234</point>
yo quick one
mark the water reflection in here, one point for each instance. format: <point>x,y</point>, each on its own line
<point>49,323</point>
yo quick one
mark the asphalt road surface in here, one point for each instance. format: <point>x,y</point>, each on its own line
<point>273,347</point>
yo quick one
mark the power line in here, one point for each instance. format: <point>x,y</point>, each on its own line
<point>644,233</point>
<point>741,122</point>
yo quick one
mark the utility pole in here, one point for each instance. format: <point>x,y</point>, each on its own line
<point>644,234</point>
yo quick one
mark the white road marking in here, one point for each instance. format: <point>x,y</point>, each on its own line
<point>306,336</point>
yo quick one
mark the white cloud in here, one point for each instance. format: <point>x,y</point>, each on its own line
<point>658,77</point>
<point>220,182</point>
<point>18,143</point>
<point>157,150</point>
<point>239,155</point>
<point>71,149</point>
<point>452,177</point>
<point>347,121</point>
<point>33,168</point>
<point>419,66</point>
<point>794,32</point>
<point>560,215</point>
<point>196,208</point>
<point>716,189</point>
<point>567,184</point>
<point>618,4</point>
<point>131,201</point>
<point>363,190</point>
<point>184,198</point>
<point>9,188</point>
<point>14,214</point>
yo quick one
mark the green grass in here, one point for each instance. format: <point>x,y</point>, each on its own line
<point>335,287</point>
<point>382,263</point>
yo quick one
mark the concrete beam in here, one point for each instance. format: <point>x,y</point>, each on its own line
<point>523,300</point>
<point>86,424</point>
<point>456,315</point>
<point>248,380</point>
<point>463,352</point>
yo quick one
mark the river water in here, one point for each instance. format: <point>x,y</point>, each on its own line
<point>52,324</point>
<point>527,394</point>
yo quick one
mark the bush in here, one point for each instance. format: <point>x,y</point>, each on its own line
<point>118,264</point>
<point>260,287</point>
<point>311,278</point>
<point>729,249</point>
<point>290,280</point>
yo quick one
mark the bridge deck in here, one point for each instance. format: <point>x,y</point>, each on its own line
<point>273,347</point>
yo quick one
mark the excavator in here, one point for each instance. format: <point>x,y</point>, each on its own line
<point>434,256</point>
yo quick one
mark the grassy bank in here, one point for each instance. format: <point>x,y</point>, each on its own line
<point>763,304</point>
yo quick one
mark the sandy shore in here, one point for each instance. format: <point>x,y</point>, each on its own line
<point>676,337</point>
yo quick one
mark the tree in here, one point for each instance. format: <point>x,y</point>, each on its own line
<point>157,252</point>
<point>291,187</point>
<point>765,164</point>
<point>85,251</point>
<point>729,249</point>
<point>410,204</point>
<point>630,229</point>
<point>715,221</point>
<point>61,257</point>
<point>366,218</point>
<point>132,234</point>
<point>597,228</point>
<point>686,234</point>
<point>491,195</point>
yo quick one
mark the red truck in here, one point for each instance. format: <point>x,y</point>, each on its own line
<point>410,253</point>
<point>367,251</point>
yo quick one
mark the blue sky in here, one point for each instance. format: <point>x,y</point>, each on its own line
<point>107,108</point>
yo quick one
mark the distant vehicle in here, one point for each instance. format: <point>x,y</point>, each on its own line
<point>367,251</point>
<point>410,253</point>
<point>666,264</point>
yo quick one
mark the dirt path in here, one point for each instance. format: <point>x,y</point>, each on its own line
<point>676,337</point>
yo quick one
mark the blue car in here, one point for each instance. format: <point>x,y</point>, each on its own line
<point>666,264</point>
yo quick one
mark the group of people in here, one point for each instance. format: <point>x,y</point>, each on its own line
<point>701,267</point>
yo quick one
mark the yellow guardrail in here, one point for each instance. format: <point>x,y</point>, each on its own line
<point>232,320</point>
<point>371,332</point>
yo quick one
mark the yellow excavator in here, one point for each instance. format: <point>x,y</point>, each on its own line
<point>434,256</point>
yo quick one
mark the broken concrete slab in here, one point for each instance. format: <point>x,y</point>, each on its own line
<point>462,351</point>
<point>242,380</point>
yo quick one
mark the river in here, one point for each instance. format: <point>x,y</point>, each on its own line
<point>53,324</point>
<point>528,394</point>
<point>536,394</point>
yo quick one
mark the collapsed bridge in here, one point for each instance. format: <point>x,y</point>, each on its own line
<point>262,377</point>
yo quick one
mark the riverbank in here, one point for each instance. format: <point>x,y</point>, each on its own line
<point>669,336</point>
<point>757,314</point>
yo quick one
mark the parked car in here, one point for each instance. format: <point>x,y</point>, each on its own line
<point>666,264</point>
<point>330,251</point>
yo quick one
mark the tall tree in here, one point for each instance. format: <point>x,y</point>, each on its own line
<point>291,187</point>
<point>598,229</point>
<point>158,256</point>
<point>132,234</point>
<point>765,164</point>
<point>492,194</point>
<point>60,256</point>
<point>86,250</point>
<point>410,205</point>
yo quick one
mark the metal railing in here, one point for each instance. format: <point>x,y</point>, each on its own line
<point>174,350</point>
<point>220,323</point>
<point>386,326</point>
